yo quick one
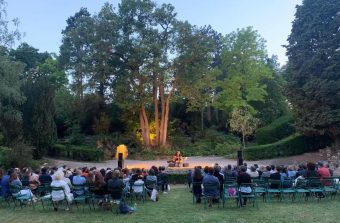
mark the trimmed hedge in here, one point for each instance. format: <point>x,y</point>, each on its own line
<point>275,131</point>
<point>177,178</point>
<point>76,152</point>
<point>291,145</point>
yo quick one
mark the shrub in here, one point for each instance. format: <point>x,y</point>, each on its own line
<point>291,145</point>
<point>277,130</point>
<point>4,156</point>
<point>77,152</point>
<point>177,178</point>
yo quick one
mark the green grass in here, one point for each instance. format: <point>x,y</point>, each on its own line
<point>176,206</point>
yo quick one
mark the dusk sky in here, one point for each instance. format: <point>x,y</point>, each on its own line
<point>43,20</point>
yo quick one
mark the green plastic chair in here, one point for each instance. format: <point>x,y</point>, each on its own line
<point>330,187</point>
<point>260,187</point>
<point>207,197</point>
<point>230,192</point>
<point>251,195</point>
<point>288,189</point>
<point>137,196</point>
<point>81,196</point>
<point>316,188</point>
<point>55,204</point>
<point>273,187</point>
<point>3,199</point>
<point>301,188</point>
<point>194,185</point>
<point>18,196</point>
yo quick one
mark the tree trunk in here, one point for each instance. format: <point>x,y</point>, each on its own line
<point>155,100</point>
<point>144,123</point>
<point>209,114</point>
<point>161,130</point>
<point>216,116</point>
<point>166,119</point>
<point>202,120</point>
<point>243,140</point>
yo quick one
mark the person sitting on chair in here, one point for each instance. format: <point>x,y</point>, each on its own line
<point>177,158</point>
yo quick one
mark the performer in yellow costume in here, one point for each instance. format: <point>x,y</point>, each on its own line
<point>122,149</point>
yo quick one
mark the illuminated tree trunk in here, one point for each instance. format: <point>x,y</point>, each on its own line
<point>156,112</point>
<point>144,124</point>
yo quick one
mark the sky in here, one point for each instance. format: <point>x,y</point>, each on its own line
<point>43,20</point>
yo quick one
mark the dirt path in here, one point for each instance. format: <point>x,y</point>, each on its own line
<point>194,161</point>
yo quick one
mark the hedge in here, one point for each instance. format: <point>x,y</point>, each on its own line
<point>76,152</point>
<point>177,178</point>
<point>291,145</point>
<point>4,154</point>
<point>275,131</point>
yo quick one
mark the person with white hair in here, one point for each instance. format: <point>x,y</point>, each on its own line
<point>58,181</point>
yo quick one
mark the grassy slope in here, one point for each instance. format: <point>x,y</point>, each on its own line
<point>177,206</point>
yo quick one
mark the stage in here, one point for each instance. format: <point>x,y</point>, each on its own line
<point>192,161</point>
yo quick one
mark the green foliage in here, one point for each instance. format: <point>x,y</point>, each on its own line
<point>243,122</point>
<point>4,156</point>
<point>291,145</point>
<point>11,97</point>
<point>30,56</point>
<point>243,70</point>
<point>83,153</point>
<point>177,178</point>
<point>275,131</point>
<point>19,155</point>
<point>7,36</point>
<point>102,125</point>
<point>213,143</point>
<point>313,68</point>
<point>39,125</point>
<point>275,103</point>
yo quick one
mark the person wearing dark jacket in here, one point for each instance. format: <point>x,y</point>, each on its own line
<point>244,178</point>
<point>115,186</point>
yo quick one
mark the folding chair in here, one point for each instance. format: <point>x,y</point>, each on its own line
<point>55,204</point>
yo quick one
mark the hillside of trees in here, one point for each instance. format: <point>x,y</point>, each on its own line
<point>137,75</point>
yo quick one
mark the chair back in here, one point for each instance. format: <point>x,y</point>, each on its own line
<point>150,184</point>
<point>287,184</point>
<point>314,183</point>
<point>78,190</point>
<point>301,183</point>
<point>14,189</point>
<point>116,193</point>
<point>274,184</point>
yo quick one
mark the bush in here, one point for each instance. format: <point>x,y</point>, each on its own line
<point>77,152</point>
<point>4,156</point>
<point>277,130</point>
<point>291,145</point>
<point>177,178</point>
<point>214,143</point>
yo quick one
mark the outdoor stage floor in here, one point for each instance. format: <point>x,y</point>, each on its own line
<point>193,161</point>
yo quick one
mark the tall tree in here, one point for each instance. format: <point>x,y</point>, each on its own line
<point>313,70</point>
<point>243,69</point>
<point>11,97</point>
<point>75,51</point>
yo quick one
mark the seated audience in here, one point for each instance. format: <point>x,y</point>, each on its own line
<point>211,186</point>
<point>58,181</point>
<point>244,178</point>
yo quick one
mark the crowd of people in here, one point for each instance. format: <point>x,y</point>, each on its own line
<point>100,181</point>
<point>216,176</point>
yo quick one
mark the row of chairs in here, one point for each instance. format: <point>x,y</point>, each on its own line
<point>266,188</point>
<point>83,194</point>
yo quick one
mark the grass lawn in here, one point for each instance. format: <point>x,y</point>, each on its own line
<point>176,206</point>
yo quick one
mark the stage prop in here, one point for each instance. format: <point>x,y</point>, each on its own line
<point>121,155</point>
